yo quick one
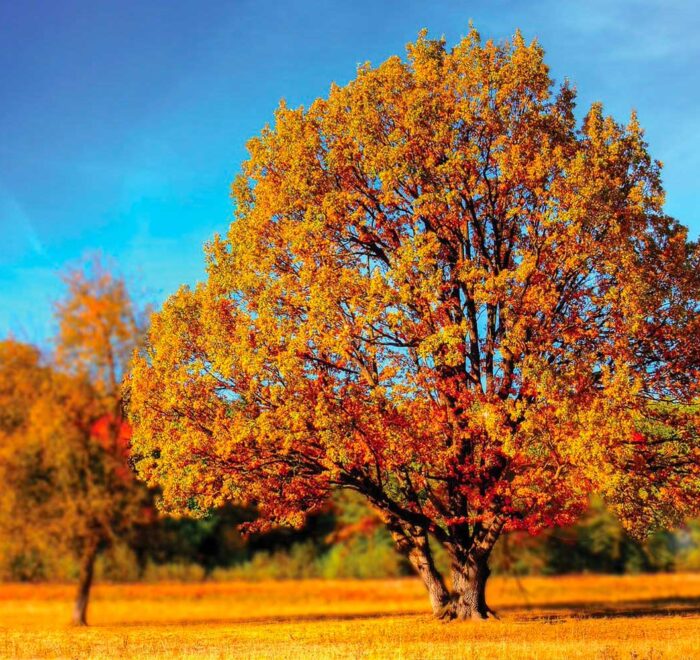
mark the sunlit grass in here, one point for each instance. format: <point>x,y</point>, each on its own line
<point>637,617</point>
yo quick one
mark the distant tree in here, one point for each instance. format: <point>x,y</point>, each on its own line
<point>99,326</point>
<point>441,292</point>
<point>68,459</point>
<point>23,379</point>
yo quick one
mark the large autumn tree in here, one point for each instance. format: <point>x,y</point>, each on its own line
<point>444,293</point>
<point>63,440</point>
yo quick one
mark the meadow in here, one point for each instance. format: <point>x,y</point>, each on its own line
<point>638,617</point>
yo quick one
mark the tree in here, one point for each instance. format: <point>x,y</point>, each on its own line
<point>99,329</point>
<point>441,292</point>
<point>67,461</point>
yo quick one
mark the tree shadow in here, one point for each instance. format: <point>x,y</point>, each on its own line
<point>623,609</point>
<point>531,612</point>
<point>312,617</point>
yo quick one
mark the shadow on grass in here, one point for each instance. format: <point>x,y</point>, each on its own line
<point>543,612</point>
<point>623,609</point>
<point>313,617</point>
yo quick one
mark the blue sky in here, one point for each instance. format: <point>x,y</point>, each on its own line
<point>122,124</point>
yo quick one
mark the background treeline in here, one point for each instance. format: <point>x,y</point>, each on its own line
<point>346,541</point>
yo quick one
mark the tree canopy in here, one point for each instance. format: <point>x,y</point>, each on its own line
<point>64,443</point>
<point>442,291</point>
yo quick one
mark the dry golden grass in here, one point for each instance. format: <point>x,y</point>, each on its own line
<point>646,617</point>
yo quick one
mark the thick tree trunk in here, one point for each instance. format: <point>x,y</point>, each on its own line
<point>87,566</point>
<point>470,569</point>
<point>468,600</point>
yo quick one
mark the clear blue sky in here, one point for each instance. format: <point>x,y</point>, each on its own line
<point>122,123</point>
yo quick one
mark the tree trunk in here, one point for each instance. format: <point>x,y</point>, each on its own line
<point>468,600</point>
<point>414,545</point>
<point>422,560</point>
<point>470,569</point>
<point>87,565</point>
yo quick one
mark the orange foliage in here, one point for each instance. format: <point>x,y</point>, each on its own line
<point>63,442</point>
<point>443,293</point>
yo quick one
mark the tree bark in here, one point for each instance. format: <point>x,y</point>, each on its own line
<point>414,545</point>
<point>421,559</point>
<point>470,569</point>
<point>468,600</point>
<point>87,566</point>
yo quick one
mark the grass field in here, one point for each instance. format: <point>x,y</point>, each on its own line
<point>642,617</point>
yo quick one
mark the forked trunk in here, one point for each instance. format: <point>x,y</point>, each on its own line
<point>470,570</point>
<point>87,566</point>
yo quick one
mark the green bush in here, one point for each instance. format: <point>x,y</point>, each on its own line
<point>300,561</point>
<point>117,564</point>
<point>688,548</point>
<point>363,557</point>
<point>173,572</point>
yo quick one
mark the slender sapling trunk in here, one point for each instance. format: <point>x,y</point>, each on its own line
<point>87,566</point>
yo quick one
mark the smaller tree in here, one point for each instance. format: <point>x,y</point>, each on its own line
<point>72,437</point>
<point>98,329</point>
